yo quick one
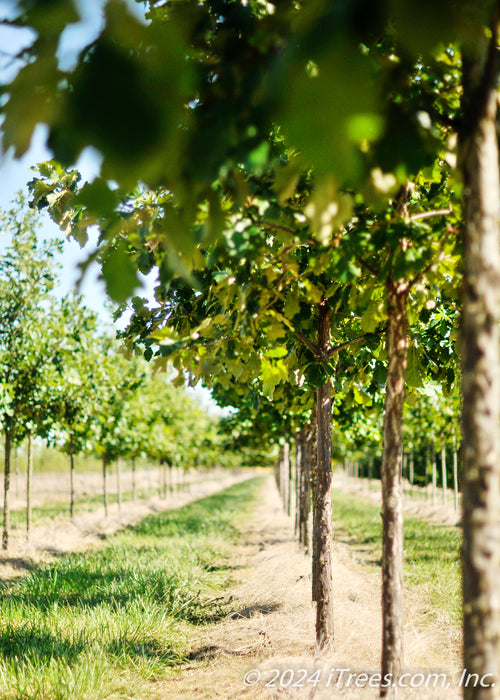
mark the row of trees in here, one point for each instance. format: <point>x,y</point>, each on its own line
<point>311,183</point>
<point>64,380</point>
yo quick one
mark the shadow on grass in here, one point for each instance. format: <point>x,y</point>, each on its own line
<point>146,649</point>
<point>254,610</point>
<point>162,564</point>
<point>29,644</point>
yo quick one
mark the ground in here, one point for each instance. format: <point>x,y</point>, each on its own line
<point>272,626</point>
<point>269,627</point>
<point>52,538</point>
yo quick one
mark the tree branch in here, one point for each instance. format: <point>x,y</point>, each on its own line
<point>342,346</point>
<point>367,267</point>
<point>429,214</point>
<point>310,346</point>
<point>277,227</point>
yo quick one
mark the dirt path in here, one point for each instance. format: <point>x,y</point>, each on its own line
<point>271,626</point>
<point>54,537</point>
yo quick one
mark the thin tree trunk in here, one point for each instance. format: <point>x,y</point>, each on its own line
<point>134,482</point>
<point>444,480</point>
<point>6,487</point>
<point>434,474</point>
<point>119,486</point>
<point>16,471</point>
<point>164,478</point>
<point>427,465</point>
<point>411,475</point>
<point>29,479</point>
<point>392,507</point>
<point>455,471</point>
<point>478,159</point>
<point>299,438</point>
<point>71,479</point>
<point>105,484</point>
<point>288,478</point>
<point>281,479</point>
<point>304,491</point>
<point>322,500</point>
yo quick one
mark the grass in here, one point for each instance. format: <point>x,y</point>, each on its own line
<point>84,504</point>
<point>109,622</point>
<point>432,553</point>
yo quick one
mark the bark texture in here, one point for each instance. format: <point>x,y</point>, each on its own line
<point>105,484</point>
<point>322,501</point>
<point>71,479</point>
<point>29,479</point>
<point>6,489</point>
<point>119,486</point>
<point>392,505</point>
<point>478,161</point>
<point>307,445</point>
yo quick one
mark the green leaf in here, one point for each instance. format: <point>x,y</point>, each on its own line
<point>119,273</point>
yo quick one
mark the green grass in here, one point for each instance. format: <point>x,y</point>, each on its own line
<point>108,622</point>
<point>432,553</point>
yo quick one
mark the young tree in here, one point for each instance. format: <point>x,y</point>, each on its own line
<point>27,272</point>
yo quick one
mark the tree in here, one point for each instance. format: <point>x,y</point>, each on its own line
<point>478,159</point>
<point>26,346</point>
<point>76,391</point>
<point>234,73</point>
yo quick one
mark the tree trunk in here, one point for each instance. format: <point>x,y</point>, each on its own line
<point>164,478</point>
<point>6,487</point>
<point>427,465</point>
<point>299,438</point>
<point>134,482</point>
<point>411,475</point>
<point>281,480</point>
<point>16,472</point>
<point>288,481</point>
<point>119,487</point>
<point>29,479</point>
<point>105,484</point>
<point>304,505</point>
<point>322,500</point>
<point>478,161</point>
<point>443,469</point>
<point>277,474</point>
<point>434,474</point>
<point>455,471</point>
<point>71,479</point>
<point>392,508</point>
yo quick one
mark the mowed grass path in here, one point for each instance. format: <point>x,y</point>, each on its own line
<point>109,622</point>
<point>431,551</point>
